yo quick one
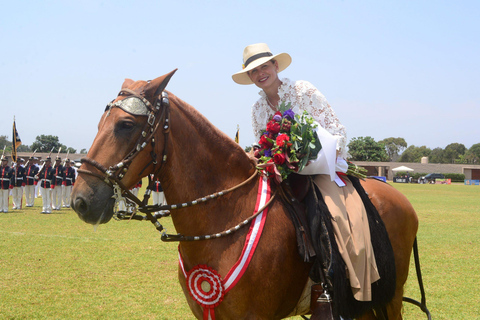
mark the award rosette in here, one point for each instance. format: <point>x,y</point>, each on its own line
<point>205,286</point>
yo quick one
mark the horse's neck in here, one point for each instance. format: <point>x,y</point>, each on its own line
<point>202,160</point>
<point>200,153</point>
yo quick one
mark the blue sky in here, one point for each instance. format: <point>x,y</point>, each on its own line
<point>407,69</point>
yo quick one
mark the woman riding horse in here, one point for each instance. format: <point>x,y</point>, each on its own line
<point>139,134</point>
<point>350,222</point>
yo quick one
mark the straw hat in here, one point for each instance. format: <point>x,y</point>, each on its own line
<point>255,55</point>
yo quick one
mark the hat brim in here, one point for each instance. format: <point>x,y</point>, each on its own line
<point>283,60</point>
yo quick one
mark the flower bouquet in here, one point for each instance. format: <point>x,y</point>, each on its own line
<point>288,143</point>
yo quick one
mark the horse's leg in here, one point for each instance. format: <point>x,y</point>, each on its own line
<point>401,223</point>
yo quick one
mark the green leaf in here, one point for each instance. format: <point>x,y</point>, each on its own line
<point>284,107</point>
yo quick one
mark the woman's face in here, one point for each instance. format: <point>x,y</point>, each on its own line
<point>265,74</point>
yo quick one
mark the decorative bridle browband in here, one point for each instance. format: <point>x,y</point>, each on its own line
<point>138,105</point>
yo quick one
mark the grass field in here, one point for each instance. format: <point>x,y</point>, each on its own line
<point>57,267</point>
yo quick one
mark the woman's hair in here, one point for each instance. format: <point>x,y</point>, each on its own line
<point>272,61</point>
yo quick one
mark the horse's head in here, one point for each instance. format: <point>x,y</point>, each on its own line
<point>124,149</point>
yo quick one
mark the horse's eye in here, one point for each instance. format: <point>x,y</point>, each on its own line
<point>126,125</point>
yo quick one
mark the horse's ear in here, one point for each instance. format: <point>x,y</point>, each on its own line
<point>155,87</point>
<point>127,83</point>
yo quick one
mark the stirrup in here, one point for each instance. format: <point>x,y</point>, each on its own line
<point>321,303</point>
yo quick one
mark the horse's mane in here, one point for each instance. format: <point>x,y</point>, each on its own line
<point>205,127</point>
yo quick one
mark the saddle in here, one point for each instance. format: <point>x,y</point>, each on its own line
<point>316,244</point>
<point>293,192</point>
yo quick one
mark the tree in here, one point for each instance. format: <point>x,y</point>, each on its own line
<point>83,151</point>
<point>70,150</point>
<point>415,154</point>
<point>4,142</point>
<point>394,146</point>
<point>45,143</point>
<point>453,152</point>
<point>366,149</point>
<point>23,148</point>
<point>436,156</point>
<point>474,153</point>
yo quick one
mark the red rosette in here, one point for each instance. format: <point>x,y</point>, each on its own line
<point>205,286</point>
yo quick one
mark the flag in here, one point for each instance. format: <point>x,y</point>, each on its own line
<point>236,135</point>
<point>16,142</point>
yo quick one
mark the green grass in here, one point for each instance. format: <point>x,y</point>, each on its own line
<point>57,267</point>
<point>449,243</point>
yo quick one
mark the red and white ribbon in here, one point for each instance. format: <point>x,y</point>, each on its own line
<point>205,284</point>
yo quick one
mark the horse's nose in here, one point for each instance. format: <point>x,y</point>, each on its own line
<point>80,206</point>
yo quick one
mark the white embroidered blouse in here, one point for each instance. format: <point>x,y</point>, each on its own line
<point>304,97</point>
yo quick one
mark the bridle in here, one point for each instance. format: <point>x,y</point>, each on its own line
<point>157,113</point>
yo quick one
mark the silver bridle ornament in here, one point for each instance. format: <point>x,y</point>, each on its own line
<point>134,105</point>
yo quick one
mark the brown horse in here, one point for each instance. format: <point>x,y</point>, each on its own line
<point>200,160</point>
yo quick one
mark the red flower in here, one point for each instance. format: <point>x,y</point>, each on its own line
<point>270,169</point>
<point>264,142</point>
<point>282,139</point>
<point>273,127</point>
<point>279,158</point>
<point>286,125</point>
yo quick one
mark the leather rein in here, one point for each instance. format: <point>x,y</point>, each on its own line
<point>113,175</point>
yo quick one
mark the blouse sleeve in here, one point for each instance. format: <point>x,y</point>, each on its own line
<point>315,103</point>
<point>260,114</point>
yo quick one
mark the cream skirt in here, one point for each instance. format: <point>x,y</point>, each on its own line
<point>352,234</point>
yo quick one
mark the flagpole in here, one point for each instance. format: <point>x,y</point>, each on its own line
<point>14,149</point>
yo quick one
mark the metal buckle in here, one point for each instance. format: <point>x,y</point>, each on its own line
<point>151,119</point>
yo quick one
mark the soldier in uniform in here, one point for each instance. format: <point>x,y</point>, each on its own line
<point>5,177</point>
<point>18,182</point>
<point>57,184</point>
<point>45,177</point>
<point>37,187</point>
<point>30,172</point>
<point>135,188</point>
<point>68,182</point>
<point>158,196</point>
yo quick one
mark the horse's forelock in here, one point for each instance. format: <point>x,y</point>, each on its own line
<point>148,89</point>
<point>127,83</point>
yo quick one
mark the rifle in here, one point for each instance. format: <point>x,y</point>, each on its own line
<point>3,153</point>
<point>65,161</point>
<point>43,165</point>
<point>26,164</point>
<point>58,153</point>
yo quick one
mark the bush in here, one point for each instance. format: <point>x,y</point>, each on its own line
<point>456,177</point>
<point>418,175</point>
<point>400,173</point>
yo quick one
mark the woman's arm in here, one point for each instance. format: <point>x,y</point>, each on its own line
<point>315,103</point>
